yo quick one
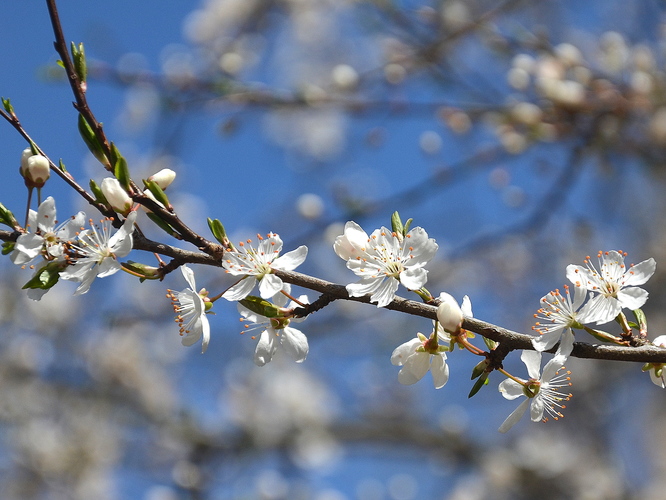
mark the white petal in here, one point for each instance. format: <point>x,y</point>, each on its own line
<point>364,286</point>
<point>266,347</point>
<point>439,370</point>
<point>466,307</point>
<point>511,389</point>
<point>269,285</point>
<point>241,289</point>
<point>536,409</point>
<point>414,368</point>
<point>403,351</point>
<point>385,292</point>
<point>547,340</point>
<point>205,333</point>
<point>351,244</point>
<point>532,360</point>
<point>603,309</point>
<point>295,343</point>
<point>414,278</point>
<point>578,275</point>
<point>46,215</point>
<point>515,416</point>
<point>632,297</point>
<point>659,381</point>
<point>566,345</point>
<point>640,273</point>
<point>188,274</point>
<point>291,260</point>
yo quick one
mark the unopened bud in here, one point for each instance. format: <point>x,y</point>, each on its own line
<point>449,314</point>
<point>116,196</point>
<point>34,168</point>
<point>163,178</point>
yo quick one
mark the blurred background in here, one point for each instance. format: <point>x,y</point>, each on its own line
<point>522,136</point>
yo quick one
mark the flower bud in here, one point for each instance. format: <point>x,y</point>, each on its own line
<point>35,169</point>
<point>163,178</point>
<point>116,196</point>
<point>449,314</point>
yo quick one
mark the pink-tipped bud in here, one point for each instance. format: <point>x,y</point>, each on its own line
<point>163,178</point>
<point>35,169</point>
<point>449,314</point>
<point>116,195</point>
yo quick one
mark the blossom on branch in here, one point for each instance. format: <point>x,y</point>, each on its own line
<point>191,307</point>
<point>613,287</point>
<point>276,332</point>
<point>48,239</point>
<point>542,391</point>
<point>259,263</point>
<point>560,315</point>
<point>385,259</point>
<point>420,355</point>
<point>96,253</point>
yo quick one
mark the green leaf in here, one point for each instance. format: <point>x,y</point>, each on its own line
<point>120,168</point>
<point>158,193</point>
<point>641,319</point>
<point>483,380</point>
<point>165,226</point>
<point>92,141</point>
<point>490,344</point>
<point>97,193</point>
<point>479,369</point>
<point>261,306</point>
<point>46,277</point>
<point>407,225</point>
<point>61,164</point>
<point>145,271</point>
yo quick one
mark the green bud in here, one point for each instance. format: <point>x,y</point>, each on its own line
<point>480,368</point>
<point>261,306</point>
<point>7,247</point>
<point>219,232</point>
<point>8,107</point>
<point>91,140</point>
<point>407,225</point>
<point>120,168</point>
<point>79,57</point>
<point>7,217</point>
<point>483,380</point>
<point>396,223</point>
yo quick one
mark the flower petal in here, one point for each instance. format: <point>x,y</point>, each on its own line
<point>291,260</point>
<point>439,370</point>
<point>266,347</point>
<point>295,343</point>
<point>269,285</point>
<point>515,416</point>
<point>640,273</point>
<point>532,360</point>
<point>632,297</point>
<point>414,278</point>
<point>403,351</point>
<point>241,289</point>
<point>511,389</point>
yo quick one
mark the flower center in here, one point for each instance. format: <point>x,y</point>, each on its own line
<point>532,388</point>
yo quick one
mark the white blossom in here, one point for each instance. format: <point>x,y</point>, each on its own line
<point>276,332</point>
<point>613,287</point>
<point>418,356</point>
<point>559,314</point>
<point>384,259</point>
<point>190,307</point>
<point>542,391</point>
<point>97,251</point>
<point>259,263</point>
<point>47,239</point>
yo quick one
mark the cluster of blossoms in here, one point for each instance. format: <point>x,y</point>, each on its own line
<point>68,250</point>
<point>382,260</point>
